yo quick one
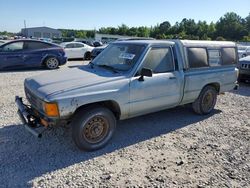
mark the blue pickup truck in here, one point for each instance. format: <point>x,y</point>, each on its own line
<point>128,79</point>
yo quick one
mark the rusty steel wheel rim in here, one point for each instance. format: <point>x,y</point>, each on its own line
<point>208,101</point>
<point>96,129</point>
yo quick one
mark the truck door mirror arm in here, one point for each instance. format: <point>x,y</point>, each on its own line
<point>145,72</point>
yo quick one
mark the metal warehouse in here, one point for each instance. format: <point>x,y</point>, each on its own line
<point>41,32</point>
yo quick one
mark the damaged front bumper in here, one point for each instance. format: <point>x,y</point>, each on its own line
<point>33,123</point>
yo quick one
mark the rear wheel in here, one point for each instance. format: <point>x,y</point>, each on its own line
<point>206,101</point>
<point>93,128</point>
<point>51,63</point>
<point>87,56</point>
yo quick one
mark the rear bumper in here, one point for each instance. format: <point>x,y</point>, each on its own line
<point>63,60</point>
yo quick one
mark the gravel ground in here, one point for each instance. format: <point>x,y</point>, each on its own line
<point>171,148</point>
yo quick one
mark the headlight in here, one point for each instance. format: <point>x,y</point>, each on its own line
<point>51,109</point>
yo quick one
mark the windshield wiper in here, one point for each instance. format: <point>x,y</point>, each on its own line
<point>109,68</point>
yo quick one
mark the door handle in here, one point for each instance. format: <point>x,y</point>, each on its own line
<point>172,77</point>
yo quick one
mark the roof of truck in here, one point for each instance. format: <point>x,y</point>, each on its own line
<point>145,42</point>
<point>200,43</point>
<point>187,43</point>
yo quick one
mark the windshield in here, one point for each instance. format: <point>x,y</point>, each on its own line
<point>120,57</point>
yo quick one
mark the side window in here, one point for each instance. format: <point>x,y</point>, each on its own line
<point>228,56</point>
<point>36,45</point>
<point>79,45</point>
<point>70,46</point>
<point>13,47</point>
<point>214,57</point>
<point>159,60</point>
<point>197,57</point>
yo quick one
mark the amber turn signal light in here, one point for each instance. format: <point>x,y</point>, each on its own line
<point>51,109</point>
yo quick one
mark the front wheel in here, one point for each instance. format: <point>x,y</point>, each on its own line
<point>206,101</point>
<point>93,128</point>
<point>51,63</point>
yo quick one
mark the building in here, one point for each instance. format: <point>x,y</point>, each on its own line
<point>106,38</point>
<point>41,32</point>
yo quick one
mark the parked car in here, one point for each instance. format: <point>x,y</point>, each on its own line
<point>244,68</point>
<point>2,42</point>
<point>76,50</point>
<point>97,50</point>
<point>243,51</point>
<point>31,53</point>
<point>128,79</point>
<point>84,41</point>
<point>97,43</point>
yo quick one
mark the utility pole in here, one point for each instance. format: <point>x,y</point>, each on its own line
<point>25,29</point>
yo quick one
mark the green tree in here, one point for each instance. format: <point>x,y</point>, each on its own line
<point>123,29</point>
<point>230,26</point>
<point>164,27</point>
<point>143,32</point>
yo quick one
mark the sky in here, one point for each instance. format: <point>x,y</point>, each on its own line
<point>94,14</point>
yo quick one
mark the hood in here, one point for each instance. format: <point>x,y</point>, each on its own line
<point>56,82</point>
<point>245,59</point>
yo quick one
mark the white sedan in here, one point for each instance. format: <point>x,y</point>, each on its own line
<point>77,50</point>
<point>243,51</point>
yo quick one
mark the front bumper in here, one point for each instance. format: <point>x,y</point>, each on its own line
<point>32,122</point>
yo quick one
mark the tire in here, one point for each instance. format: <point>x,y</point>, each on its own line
<point>87,56</point>
<point>93,127</point>
<point>52,63</point>
<point>206,101</point>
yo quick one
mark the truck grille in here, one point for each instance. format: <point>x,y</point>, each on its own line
<point>245,66</point>
<point>33,100</point>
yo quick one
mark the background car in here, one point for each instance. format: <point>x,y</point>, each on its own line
<point>97,43</point>
<point>2,42</point>
<point>243,51</point>
<point>97,50</point>
<point>31,53</point>
<point>76,50</point>
<point>244,68</point>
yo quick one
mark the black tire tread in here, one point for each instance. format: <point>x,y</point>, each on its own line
<point>197,106</point>
<point>77,124</point>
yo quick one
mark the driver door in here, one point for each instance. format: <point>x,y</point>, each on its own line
<point>162,90</point>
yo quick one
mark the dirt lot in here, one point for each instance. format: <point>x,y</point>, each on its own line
<point>171,148</point>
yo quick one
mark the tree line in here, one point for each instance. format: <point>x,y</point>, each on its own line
<point>229,27</point>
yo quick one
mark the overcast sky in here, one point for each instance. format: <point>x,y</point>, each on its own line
<point>93,14</point>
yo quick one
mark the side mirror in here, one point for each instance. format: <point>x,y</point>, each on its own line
<point>145,72</point>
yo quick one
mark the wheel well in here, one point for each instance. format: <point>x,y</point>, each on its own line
<point>87,53</point>
<point>111,105</point>
<point>215,85</point>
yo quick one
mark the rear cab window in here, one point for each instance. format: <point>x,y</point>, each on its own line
<point>200,57</point>
<point>214,56</point>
